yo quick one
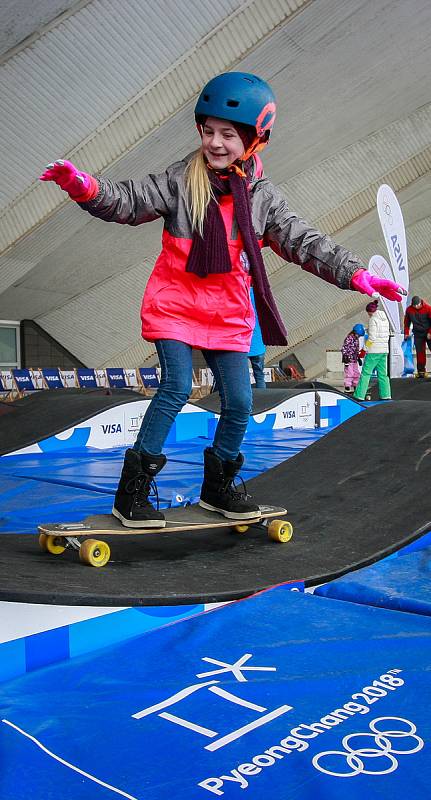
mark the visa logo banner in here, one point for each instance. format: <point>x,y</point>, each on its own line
<point>111,428</point>
<point>392,223</point>
<point>397,252</point>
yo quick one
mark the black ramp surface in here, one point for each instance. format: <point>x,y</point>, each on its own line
<point>405,389</point>
<point>353,496</point>
<point>268,399</point>
<point>47,413</point>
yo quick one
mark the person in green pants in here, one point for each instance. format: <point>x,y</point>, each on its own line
<point>377,354</point>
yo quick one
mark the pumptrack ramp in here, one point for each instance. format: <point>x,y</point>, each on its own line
<point>37,418</point>
<point>271,397</point>
<point>405,389</point>
<point>46,413</point>
<point>354,496</point>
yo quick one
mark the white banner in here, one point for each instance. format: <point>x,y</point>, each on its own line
<point>7,379</point>
<point>101,378</point>
<point>396,355</point>
<point>380,267</point>
<point>391,220</point>
<point>268,375</point>
<point>68,377</point>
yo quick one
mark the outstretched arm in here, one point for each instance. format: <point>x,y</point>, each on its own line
<point>127,202</point>
<point>297,241</point>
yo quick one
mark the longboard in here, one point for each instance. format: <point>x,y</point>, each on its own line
<point>56,537</point>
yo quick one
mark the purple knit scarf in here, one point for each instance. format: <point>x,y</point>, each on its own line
<point>210,254</point>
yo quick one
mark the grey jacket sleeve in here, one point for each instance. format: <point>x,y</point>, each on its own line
<point>133,202</point>
<point>295,240</point>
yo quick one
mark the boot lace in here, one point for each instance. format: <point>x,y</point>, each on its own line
<point>142,486</point>
<point>229,486</point>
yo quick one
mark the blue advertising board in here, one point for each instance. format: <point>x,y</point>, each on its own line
<point>283,695</point>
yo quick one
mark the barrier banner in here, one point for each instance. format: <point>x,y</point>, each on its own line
<point>392,222</point>
<point>68,377</point>
<point>23,379</point>
<point>283,695</point>
<point>7,379</point>
<point>149,376</point>
<point>52,378</point>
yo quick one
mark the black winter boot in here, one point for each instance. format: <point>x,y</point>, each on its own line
<point>131,504</point>
<point>218,491</point>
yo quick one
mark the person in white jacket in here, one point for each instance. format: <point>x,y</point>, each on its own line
<point>377,354</point>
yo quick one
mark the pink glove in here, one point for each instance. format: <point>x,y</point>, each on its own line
<point>80,186</point>
<point>363,282</point>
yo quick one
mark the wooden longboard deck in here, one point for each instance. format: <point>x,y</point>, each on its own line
<point>181,518</point>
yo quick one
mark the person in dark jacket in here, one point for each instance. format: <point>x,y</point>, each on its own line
<point>418,316</point>
<point>219,210</point>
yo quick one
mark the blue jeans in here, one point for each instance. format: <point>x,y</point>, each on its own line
<point>230,370</point>
<point>258,366</point>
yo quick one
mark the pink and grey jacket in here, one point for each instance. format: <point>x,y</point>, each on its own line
<point>215,312</point>
<point>350,348</point>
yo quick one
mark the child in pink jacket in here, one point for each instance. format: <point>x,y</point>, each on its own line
<point>219,210</point>
<point>351,356</point>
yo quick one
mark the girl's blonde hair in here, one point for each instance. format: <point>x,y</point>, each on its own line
<point>198,190</point>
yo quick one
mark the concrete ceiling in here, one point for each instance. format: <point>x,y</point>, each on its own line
<point>22,19</point>
<point>113,88</point>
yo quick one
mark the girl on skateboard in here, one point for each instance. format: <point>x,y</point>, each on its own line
<point>219,210</point>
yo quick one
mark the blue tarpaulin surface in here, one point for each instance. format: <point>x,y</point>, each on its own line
<point>67,486</point>
<point>282,695</point>
<point>402,583</point>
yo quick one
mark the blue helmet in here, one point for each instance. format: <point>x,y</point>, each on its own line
<point>359,329</point>
<point>238,97</point>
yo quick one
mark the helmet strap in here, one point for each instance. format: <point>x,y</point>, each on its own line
<point>256,146</point>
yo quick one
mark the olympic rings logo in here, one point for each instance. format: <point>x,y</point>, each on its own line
<point>356,754</point>
<point>387,211</point>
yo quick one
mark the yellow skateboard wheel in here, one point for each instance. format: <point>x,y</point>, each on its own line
<point>51,544</point>
<point>94,553</point>
<point>280,530</point>
<point>241,528</point>
<point>42,541</point>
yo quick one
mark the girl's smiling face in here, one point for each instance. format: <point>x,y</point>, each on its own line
<point>221,143</point>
